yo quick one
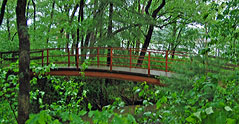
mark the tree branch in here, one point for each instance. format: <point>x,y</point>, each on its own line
<point>73,12</point>
<point>125,28</point>
<point>155,12</point>
<point>148,6</point>
<point>171,22</point>
<point>4,3</point>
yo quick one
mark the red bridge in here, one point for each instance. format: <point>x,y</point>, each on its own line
<point>103,62</point>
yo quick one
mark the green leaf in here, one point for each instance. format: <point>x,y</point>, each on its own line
<point>89,106</point>
<point>147,113</point>
<point>158,104</point>
<point>163,99</point>
<point>190,119</point>
<point>209,110</point>
<point>231,121</point>
<point>197,114</point>
<point>131,119</point>
<point>227,108</point>
<point>82,113</point>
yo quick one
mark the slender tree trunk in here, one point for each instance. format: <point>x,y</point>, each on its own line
<point>49,26</point>
<point>150,31</point>
<point>4,3</point>
<point>8,26</point>
<point>34,19</point>
<point>28,4</point>
<point>145,45</point>
<point>80,19</point>
<point>177,41</point>
<point>24,61</point>
<point>138,40</point>
<point>110,28</point>
<point>70,22</point>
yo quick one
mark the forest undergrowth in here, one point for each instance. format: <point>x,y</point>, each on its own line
<point>198,97</point>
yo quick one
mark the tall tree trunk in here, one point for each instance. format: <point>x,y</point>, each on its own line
<point>150,31</point>
<point>138,40</point>
<point>4,3</point>
<point>24,61</point>
<point>34,19</point>
<point>145,45</point>
<point>49,26</point>
<point>177,41</point>
<point>28,4</point>
<point>87,40</point>
<point>110,28</point>
<point>8,26</point>
<point>80,19</point>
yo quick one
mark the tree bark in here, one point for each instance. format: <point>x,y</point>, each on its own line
<point>49,26</point>
<point>34,19</point>
<point>80,19</point>
<point>4,3</point>
<point>24,61</point>
<point>28,4</point>
<point>110,28</point>
<point>150,31</point>
<point>8,26</point>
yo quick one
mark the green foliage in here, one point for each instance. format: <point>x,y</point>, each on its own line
<point>204,92</point>
<point>42,118</point>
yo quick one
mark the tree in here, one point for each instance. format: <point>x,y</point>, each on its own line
<point>24,61</point>
<point>150,30</point>
<point>4,3</point>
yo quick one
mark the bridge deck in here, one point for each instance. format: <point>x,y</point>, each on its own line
<point>133,71</point>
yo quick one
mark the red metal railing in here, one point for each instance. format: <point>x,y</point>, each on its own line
<point>97,56</point>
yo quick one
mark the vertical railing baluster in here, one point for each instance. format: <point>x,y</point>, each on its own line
<point>98,58</point>
<point>42,58</point>
<point>77,58</point>
<point>47,56</point>
<point>68,57</point>
<point>166,61</point>
<point>130,58</point>
<point>149,63</point>
<point>111,55</point>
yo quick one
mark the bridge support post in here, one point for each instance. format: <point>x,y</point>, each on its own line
<point>111,55</point>
<point>68,57</point>
<point>98,59</point>
<point>77,58</point>
<point>42,58</point>
<point>166,61</point>
<point>149,64</point>
<point>47,56</point>
<point>130,58</point>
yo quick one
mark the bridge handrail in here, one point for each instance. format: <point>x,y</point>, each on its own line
<point>114,56</point>
<point>153,62</point>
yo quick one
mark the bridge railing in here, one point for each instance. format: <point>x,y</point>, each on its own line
<point>111,57</point>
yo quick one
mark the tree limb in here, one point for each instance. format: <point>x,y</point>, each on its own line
<point>125,28</point>
<point>148,6</point>
<point>155,12</point>
<point>73,12</point>
<point>4,3</point>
